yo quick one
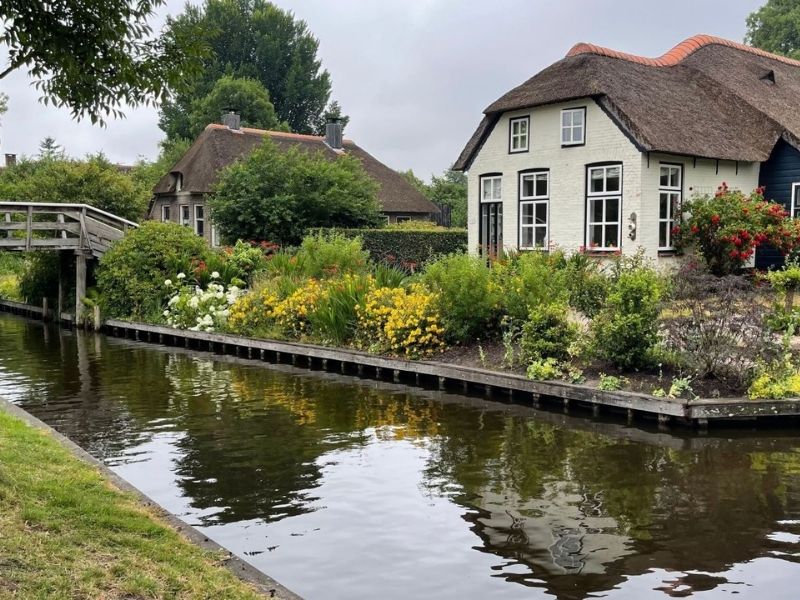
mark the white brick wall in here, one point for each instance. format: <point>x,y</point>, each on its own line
<point>604,142</point>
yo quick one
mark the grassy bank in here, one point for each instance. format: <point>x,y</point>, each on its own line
<point>65,532</point>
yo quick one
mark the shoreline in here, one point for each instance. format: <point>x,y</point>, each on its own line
<point>260,582</point>
<point>696,414</point>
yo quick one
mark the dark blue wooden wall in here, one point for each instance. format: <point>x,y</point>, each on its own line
<point>777,175</point>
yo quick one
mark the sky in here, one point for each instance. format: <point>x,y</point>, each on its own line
<point>413,75</point>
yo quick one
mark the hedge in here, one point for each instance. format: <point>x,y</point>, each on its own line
<point>407,247</point>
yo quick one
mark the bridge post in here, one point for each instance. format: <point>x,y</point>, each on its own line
<point>80,286</point>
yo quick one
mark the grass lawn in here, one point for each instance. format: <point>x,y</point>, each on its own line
<point>65,532</point>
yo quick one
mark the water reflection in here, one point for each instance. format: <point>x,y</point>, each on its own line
<point>340,487</point>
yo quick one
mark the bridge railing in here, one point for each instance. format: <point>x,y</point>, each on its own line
<point>56,226</point>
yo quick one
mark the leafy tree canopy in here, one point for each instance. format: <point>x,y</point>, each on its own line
<point>775,27</point>
<point>277,195</point>
<point>257,40</point>
<point>94,181</point>
<point>247,96</point>
<point>50,149</point>
<point>448,189</point>
<point>95,56</point>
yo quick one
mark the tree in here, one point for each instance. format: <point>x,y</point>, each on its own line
<point>50,149</point>
<point>253,39</point>
<point>95,56</point>
<point>775,27</point>
<point>94,181</point>
<point>277,195</point>
<point>246,96</point>
<point>450,189</point>
<point>332,113</point>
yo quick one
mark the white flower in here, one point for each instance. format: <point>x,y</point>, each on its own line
<point>194,301</point>
<point>215,275</point>
<point>181,275</point>
<point>168,282</point>
<point>166,313</point>
<point>174,300</point>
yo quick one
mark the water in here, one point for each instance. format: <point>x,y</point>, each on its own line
<point>343,488</point>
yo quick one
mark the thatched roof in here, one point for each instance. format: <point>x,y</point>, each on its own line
<point>707,97</point>
<point>218,146</point>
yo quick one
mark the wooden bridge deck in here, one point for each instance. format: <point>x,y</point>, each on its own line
<point>26,226</point>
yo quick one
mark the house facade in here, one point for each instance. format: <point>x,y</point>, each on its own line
<point>180,196</point>
<point>598,150</point>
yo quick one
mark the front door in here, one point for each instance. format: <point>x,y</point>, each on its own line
<point>491,237</point>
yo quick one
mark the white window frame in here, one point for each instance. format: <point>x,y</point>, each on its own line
<point>518,136</point>
<point>534,201</point>
<point>795,209</point>
<point>572,128</point>
<point>197,220</point>
<point>603,196</point>
<point>671,191</point>
<point>166,213</point>
<point>496,193</point>
<point>185,215</point>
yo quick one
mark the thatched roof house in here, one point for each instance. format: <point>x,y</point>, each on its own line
<point>714,109</point>
<point>180,194</point>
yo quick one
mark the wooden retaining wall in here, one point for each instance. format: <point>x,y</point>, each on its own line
<point>496,385</point>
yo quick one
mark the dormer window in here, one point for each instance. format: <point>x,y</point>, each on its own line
<point>177,180</point>
<point>768,77</point>
<point>573,126</point>
<point>518,134</point>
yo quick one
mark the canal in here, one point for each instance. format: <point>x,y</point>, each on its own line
<point>347,488</point>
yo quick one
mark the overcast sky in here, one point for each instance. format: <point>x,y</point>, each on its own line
<point>414,75</point>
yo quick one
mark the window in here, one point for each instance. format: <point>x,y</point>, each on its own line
<point>518,134</point>
<point>185,215</point>
<point>490,226</point>
<point>604,207</point>
<point>795,210</point>
<point>178,180</point>
<point>165,215</point>
<point>199,219</point>
<point>669,199</point>
<point>402,219</point>
<point>573,126</point>
<point>534,195</point>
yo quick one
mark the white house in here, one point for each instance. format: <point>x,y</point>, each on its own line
<point>597,150</point>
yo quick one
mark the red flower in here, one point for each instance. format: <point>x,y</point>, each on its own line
<point>734,254</point>
<point>695,229</point>
<point>715,219</point>
<point>676,230</point>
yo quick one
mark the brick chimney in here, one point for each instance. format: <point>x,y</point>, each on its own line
<point>11,160</point>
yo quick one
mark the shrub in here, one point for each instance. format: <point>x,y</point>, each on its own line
<point>587,285</point>
<point>416,224</point>
<point>196,309</point>
<point>131,274</point>
<point>407,248</point>
<point>547,333</point>
<point>612,383</point>
<point>785,282</point>
<point>625,331</point>
<point>335,315</point>
<point>9,287</point>
<point>467,297</point>
<point>728,227</point>
<point>293,313</point>
<point>544,368</point>
<point>717,326</point>
<point>401,320</point>
<point>277,195</point>
<point>252,314</point>
<point>331,255</point>
<point>531,279</point>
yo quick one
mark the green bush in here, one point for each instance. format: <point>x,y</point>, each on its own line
<point>277,195</point>
<point>587,284</point>
<point>544,369</point>
<point>625,331</point>
<point>530,279</point>
<point>547,333</point>
<point>468,299</point>
<point>323,256</point>
<point>408,248</point>
<point>131,274</point>
<point>39,277</point>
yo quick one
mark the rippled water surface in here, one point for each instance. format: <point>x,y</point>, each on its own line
<point>348,488</point>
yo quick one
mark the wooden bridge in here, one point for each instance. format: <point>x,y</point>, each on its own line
<point>84,230</point>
